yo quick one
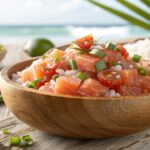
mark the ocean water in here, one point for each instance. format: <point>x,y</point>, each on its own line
<point>63,34</point>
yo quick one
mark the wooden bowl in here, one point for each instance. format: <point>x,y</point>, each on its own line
<point>73,116</point>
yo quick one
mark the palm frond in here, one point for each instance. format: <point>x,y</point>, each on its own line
<point>135,9</point>
<point>146,2</point>
<point>123,15</point>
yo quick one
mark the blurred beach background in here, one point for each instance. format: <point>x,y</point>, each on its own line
<point>63,21</point>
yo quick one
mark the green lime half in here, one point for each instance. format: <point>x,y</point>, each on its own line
<point>38,47</point>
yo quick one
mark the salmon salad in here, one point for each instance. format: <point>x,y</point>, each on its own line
<point>88,67</point>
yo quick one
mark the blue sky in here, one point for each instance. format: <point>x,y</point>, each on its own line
<point>43,12</point>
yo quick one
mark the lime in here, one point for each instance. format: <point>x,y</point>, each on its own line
<point>38,47</point>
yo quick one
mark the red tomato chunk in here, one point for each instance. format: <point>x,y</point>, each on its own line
<point>85,42</point>
<point>111,79</point>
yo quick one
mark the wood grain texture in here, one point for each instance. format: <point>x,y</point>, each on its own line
<point>43,141</point>
<point>75,116</point>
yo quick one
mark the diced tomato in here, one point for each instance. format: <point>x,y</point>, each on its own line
<point>123,51</point>
<point>85,42</point>
<point>111,56</point>
<point>27,75</point>
<point>41,83</point>
<point>91,87</point>
<point>86,62</point>
<point>130,90</point>
<point>50,73</point>
<point>145,83</point>
<point>47,76</point>
<point>130,77</point>
<point>67,85</point>
<point>111,79</point>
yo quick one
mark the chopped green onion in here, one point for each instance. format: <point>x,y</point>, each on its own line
<point>136,58</point>
<point>115,63</point>
<point>101,65</point>
<point>26,141</point>
<point>1,99</point>
<point>6,131</point>
<point>81,76</point>
<point>111,46</point>
<point>98,53</point>
<point>54,77</point>
<point>81,52</point>
<point>33,83</point>
<point>23,142</point>
<point>27,138</point>
<point>73,64</point>
<point>15,140</point>
<point>142,71</point>
<point>85,50</point>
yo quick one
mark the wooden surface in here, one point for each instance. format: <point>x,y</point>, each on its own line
<point>42,141</point>
<point>140,141</point>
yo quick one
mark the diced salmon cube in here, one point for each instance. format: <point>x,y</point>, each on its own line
<point>91,87</point>
<point>86,62</point>
<point>130,77</point>
<point>145,83</point>
<point>63,65</point>
<point>111,56</point>
<point>67,85</point>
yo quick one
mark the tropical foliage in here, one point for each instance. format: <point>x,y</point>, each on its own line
<point>144,23</point>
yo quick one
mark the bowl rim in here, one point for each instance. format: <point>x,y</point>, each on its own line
<point>4,76</point>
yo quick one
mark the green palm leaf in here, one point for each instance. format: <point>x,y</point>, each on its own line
<point>123,15</point>
<point>146,2</point>
<point>136,9</point>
